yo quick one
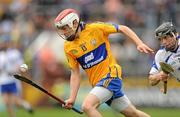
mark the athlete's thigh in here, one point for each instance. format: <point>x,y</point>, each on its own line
<point>130,110</point>
<point>8,98</point>
<point>98,95</point>
<point>120,104</point>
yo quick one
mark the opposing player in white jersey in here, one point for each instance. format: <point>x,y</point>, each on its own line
<point>169,52</point>
<point>10,60</point>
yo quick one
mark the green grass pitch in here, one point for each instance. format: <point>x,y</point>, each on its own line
<point>55,112</point>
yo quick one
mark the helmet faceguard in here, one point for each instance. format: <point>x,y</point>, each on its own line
<point>165,29</point>
<point>67,24</point>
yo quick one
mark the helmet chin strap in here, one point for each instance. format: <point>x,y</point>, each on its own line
<point>73,36</point>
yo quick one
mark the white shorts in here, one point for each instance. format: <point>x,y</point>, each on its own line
<point>105,96</point>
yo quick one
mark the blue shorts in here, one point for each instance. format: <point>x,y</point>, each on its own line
<point>112,84</point>
<point>9,88</point>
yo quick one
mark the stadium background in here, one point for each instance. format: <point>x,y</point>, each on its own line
<point>29,24</point>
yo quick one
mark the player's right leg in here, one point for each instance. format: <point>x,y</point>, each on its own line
<point>7,95</point>
<point>96,96</point>
<point>9,103</point>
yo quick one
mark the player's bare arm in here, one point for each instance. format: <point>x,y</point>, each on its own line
<point>74,85</point>
<point>132,35</point>
<point>154,79</point>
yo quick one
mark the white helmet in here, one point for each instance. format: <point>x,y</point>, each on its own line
<point>67,23</point>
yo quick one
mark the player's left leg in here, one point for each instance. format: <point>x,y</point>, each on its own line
<point>124,106</point>
<point>131,111</point>
<point>119,100</point>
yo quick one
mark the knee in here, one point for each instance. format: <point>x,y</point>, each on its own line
<point>87,107</point>
<point>6,101</point>
<point>8,104</point>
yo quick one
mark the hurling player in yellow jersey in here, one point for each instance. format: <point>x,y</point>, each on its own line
<point>87,45</point>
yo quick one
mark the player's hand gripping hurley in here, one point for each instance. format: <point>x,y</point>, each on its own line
<point>26,80</point>
<point>166,68</point>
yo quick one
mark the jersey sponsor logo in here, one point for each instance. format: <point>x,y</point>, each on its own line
<point>89,58</point>
<point>94,57</point>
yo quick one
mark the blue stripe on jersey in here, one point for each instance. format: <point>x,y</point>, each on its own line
<point>116,26</point>
<point>154,65</point>
<point>93,57</point>
<point>168,58</point>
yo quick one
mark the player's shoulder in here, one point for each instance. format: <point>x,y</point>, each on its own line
<point>67,44</point>
<point>160,53</point>
<point>70,46</point>
<point>97,24</point>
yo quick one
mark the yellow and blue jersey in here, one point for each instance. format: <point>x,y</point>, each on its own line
<point>92,51</point>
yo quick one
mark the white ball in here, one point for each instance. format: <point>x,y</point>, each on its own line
<point>23,68</point>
